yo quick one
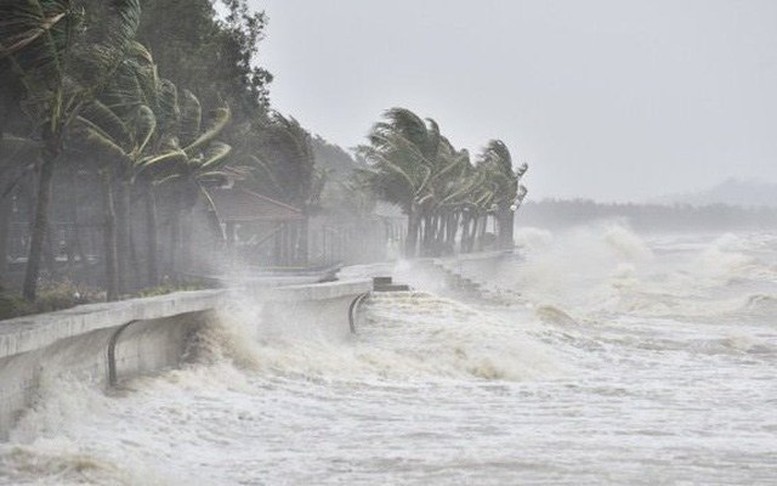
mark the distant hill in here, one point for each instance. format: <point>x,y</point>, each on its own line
<point>554,213</point>
<point>734,192</point>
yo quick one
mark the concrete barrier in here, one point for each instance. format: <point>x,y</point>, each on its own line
<point>319,305</point>
<point>465,277</point>
<point>106,343</point>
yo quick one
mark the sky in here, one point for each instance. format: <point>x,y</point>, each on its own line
<point>613,100</point>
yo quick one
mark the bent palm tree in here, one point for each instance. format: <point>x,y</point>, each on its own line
<point>122,126</point>
<point>121,141</point>
<point>61,67</point>
<point>188,160</point>
<point>403,152</point>
<point>501,190</point>
<point>284,167</point>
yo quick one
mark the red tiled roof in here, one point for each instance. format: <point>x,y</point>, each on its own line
<point>242,205</point>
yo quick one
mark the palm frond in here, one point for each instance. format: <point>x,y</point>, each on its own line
<point>214,156</point>
<point>218,120</point>
<point>145,126</point>
<point>191,118</point>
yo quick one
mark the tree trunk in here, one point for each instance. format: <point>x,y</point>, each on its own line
<point>175,242</point>
<point>425,240</point>
<point>412,234</point>
<point>151,237</point>
<point>6,205</point>
<point>215,239</point>
<point>78,248</point>
<point>122,203</point>
<point>472,227</point>
<point>481,232</point>
<point>442,232</point>
<point>75,249</point>
<point>450,233</point>
<point>187,239</point>
<point>134,263</point>
<point>40,224</point>
<point>464,232</point>
<point>474,244</point>
<point>48,250</point>
<point>75,246</point>
<point>109,237</point>
<point>434,238</point>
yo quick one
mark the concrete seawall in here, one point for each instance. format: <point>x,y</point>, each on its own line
<point>105,343</point>
<point>465,276</point>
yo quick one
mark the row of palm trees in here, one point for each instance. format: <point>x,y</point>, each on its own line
<point>93,100</point>
<point>60,66</point>
<point>412,165</point>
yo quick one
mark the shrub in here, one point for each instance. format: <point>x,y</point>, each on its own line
<point>13,306</point>
<point>64,294</point>
<point>52,296</point>
<point>168,287</point>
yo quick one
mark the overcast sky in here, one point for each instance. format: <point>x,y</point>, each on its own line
<point>607,99</point>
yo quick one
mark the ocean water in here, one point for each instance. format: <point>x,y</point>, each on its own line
<point>616,358</point>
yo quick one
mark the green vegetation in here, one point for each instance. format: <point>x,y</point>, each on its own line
<point>169,287</point>
<point>119,119</point>
<point>52,296</point>
<point>93,101</point>
<point>415,167</point>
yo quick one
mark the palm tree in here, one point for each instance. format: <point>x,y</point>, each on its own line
<point>449,188</point>
<point>284,168</point>
<point>121,140</point>
<point>189,160</point>
<point>122,125</point>
<point>17,158</point>
<point>501,189</point>
<point>473,206</point>
<point>404,152</point>
<point>412,165</point>
<point>161,96</point>
<point>61,68</point>
<point>452,196</point>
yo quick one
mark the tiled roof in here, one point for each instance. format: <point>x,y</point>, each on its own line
<point>240,205</point>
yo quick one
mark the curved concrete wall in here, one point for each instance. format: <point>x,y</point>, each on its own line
<point>106,343</point>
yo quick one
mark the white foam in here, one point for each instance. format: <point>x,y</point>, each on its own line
<point>622,354</point>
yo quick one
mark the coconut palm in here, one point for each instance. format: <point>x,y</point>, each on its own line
<point>61,67</point>
<point>284,168</point>
<point>500,192</point>
<point>412,165</point>
<point>119,141</point>
<point>17,160</point>
<point>404,153</point>
<point>161,96</point>
<point>285,165</point>
<point>125,125</point>
<point>187,161</point>
<point>452,190</point>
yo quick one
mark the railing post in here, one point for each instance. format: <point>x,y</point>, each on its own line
<point>112,372</point>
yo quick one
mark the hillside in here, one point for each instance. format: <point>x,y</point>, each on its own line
<point>734,192</point>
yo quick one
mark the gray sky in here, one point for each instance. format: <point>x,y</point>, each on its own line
<point>608,99</point>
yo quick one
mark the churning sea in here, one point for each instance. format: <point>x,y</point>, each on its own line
<point>608,357</point>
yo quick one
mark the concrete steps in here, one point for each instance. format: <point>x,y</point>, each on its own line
<point>468,287</point>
